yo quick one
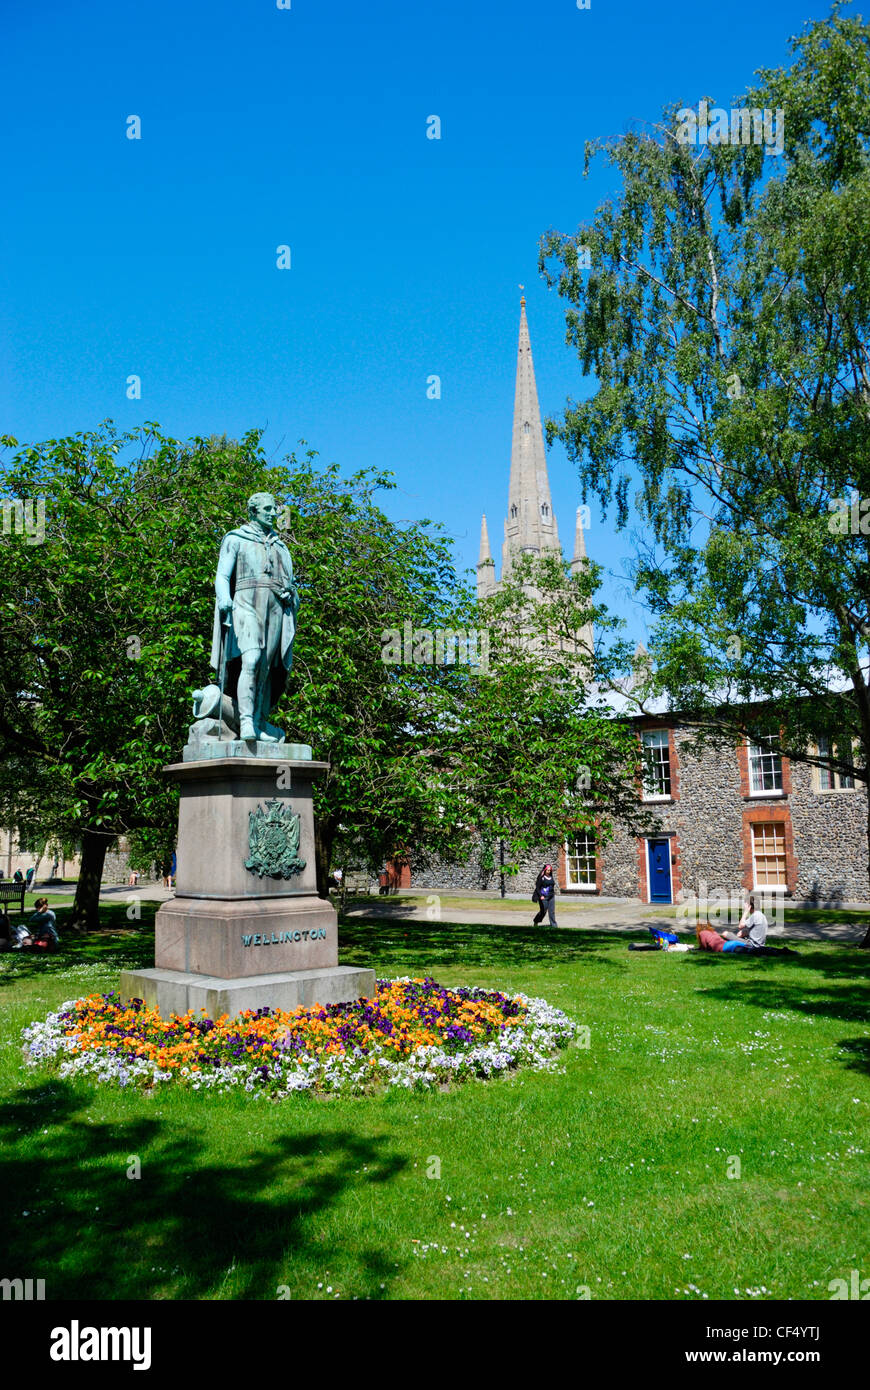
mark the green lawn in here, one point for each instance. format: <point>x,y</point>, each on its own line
<point>610,1173</point>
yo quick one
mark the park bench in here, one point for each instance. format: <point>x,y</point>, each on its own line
<point>356,881</point>
<point>9,892</point>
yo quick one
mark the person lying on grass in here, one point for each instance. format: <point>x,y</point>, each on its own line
<point>749,938</point>
<point>751,933</point>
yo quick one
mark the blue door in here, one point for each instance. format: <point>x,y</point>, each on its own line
<point>659,853</point>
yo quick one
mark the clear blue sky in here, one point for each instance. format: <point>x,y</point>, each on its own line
<point>307,127</point>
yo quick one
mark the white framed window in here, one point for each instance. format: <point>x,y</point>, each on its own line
<point>765,767</point>
<point>830,780</point>
<point>580,863</point>
<point>768,857</point>
<point>657,756</point>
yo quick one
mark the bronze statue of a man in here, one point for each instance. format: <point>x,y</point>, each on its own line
<point>255,617</point>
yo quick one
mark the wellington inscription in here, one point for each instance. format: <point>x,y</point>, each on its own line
<point>278,938</point>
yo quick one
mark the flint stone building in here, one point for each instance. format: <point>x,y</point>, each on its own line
<point>741,819</point>
<point>731,819</point>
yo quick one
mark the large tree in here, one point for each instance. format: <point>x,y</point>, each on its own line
<point>721,299</point>
<point>539,753</point>
<point>105,629</point>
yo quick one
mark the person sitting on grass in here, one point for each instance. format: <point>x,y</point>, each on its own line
<point>7,935</point>
<point>751,931</point>
<point>42,929</point>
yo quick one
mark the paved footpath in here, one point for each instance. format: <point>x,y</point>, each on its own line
<point>602,914</point>
<point>616,916</point>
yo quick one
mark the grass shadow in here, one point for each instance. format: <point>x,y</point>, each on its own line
<point>94,1232</point>
<point>857,1054</point>
<point>770,984</point>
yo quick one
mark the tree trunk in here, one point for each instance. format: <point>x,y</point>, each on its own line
<point>865,944</point>
<point>866,941</point>
<point>86,908</point>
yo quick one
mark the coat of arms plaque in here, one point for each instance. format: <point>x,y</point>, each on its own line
<point>273,841</point>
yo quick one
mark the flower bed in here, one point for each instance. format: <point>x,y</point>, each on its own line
<point>412,1033</point>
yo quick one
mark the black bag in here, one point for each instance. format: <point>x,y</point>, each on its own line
<point>536,896</point>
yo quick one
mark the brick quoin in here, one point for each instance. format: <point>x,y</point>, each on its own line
<point>769,815</point>
<point>743,765</point>
<point>676,870</point>
<point>641,871</point>
<point>675,766</point>
<point>398,874</point>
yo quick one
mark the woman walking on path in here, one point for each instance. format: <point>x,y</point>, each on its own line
<point>545,896</point>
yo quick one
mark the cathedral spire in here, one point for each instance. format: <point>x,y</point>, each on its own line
<point>485,564</point>
<point>531,524</point>
<point>579,543</point>
<point>578,561</point>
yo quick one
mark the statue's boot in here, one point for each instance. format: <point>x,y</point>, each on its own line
<point>267,732</point>
<point>246,728</point>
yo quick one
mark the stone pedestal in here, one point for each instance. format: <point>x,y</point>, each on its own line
<point>175,991</point>
<point>246,928</point>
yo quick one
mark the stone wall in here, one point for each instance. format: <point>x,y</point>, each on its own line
<point>705,819</point>
<point>708,821</point>
<point>434,874</point>
<point>830,833</point>
<point>116,870</point>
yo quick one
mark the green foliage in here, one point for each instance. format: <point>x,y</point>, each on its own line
<point>106,631</point>
<point>541,755</point>
<point>726,318</point>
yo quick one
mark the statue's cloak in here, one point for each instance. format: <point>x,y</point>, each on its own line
<point>249,546</point>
